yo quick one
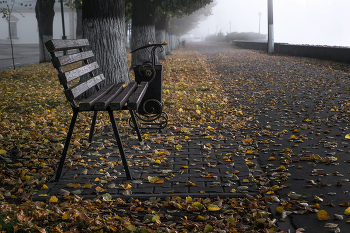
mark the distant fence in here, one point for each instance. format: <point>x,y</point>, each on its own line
<point>327,53</point>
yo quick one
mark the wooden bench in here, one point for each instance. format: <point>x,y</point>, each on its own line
<point>111,97</point>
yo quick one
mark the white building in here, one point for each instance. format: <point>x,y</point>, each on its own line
<point>24,26</point>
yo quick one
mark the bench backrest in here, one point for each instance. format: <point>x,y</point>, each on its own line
<point>88,67</point>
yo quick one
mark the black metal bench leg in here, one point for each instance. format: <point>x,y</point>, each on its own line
<point>66,145</point>
<point>120,145</point>
<point>135,124</point>
<point>92,128</point>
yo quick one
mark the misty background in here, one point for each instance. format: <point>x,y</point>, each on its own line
<point>314,22</point>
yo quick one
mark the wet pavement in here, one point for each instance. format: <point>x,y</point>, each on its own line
<point>298,113</point>
<point>23,54</point>
<point>193,169</point>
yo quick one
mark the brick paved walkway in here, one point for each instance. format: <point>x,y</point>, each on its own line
<point>194,163</point>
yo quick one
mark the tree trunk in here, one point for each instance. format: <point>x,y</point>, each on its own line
<point>79,29</point>
<point>103,24</point>
<point>161,26</point>
<point>44,14</point>
<point>168,47</point>
<point>143,30</point>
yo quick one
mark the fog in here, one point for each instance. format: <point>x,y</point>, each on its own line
<point>317,22</point>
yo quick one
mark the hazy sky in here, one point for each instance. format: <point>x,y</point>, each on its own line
<point>320,22</point>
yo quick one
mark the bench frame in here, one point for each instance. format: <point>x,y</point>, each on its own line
<point>109,98</point>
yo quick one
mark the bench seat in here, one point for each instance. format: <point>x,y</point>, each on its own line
<point>109,98</point>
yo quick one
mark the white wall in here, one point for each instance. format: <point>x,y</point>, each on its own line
<point>27,26</point>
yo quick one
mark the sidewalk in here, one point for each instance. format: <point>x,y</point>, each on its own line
<point>299,112</point>
<point>197,169</point>
<point>24,54</point>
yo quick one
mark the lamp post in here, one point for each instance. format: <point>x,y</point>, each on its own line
<point>270,39</point>
<point>63,27</point>
<point>259,20</point>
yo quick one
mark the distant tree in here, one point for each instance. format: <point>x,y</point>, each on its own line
<point>44,12</point>
<point>147,12</point>
<point>7,14</point>
<point>182,24</point>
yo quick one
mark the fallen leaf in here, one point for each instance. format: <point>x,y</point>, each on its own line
<point>322,215</point>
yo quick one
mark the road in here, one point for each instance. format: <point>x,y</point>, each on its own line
<point>23,55</point>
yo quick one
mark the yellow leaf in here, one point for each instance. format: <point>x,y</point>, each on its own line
<point>212,207</point>
<point>161,181</point>
<point>126,186</point>
<point>198,205</point>
<point>271,158</point>
<point>245,181</point>
<point>188,199</point>
<point>43,195</point>
<point>2,152</point>
<point>157,161</point>
<point>347,211</point>
<point>32,124</point>
<point>165,42</point>
<point>198,111</point>
<point>279,209</point>
<point>200,218</point>
<point>152,179</point>
<point>131,227</point>
<point>87,186</point>
<point>293,137</point>
<point>100,189</point>
<point>345,204</point>
<point>125,85</point>
<point>208,228</point>
<point>44,187</point>
<point>347,136</point>
<point>189,183</point>
<point>275,187</point>
<point>322,215</point>
<point>231,220</point>
<point>53,199</point>
<point>249,152</point>
<point>233,190</point>
<point>184,167</point>
<point>65,216</point>
<point>156,219</point>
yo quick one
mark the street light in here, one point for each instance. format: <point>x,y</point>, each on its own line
<point>63,26</point>
<point>259,20</point>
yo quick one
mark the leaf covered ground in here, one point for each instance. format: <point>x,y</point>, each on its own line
<point>34,121</point>
<point>283,112</point>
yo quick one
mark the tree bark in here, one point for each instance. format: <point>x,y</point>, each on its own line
<point>79,29</point>
<point>44,13</point>
<point>103,24</point>
<point>161,26</point>
<point>168,47</point>
<point>143,30</point>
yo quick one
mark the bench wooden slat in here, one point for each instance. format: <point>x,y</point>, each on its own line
<point>60,45</point>
<point>119,102</point>
<point>73,74</point>
<point>88,104</point>
<point>80,88</point>
<point>71,58</point>
<point>103,102</point>
<point>136,97</point>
